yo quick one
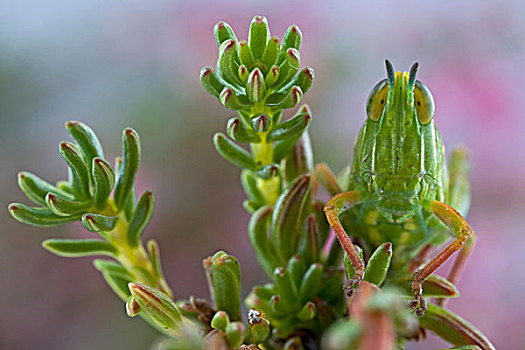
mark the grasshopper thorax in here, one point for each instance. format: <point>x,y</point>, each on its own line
<point>398,154</point>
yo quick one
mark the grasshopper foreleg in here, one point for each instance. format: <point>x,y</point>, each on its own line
<point>335,206</point>
<point>462,232</point>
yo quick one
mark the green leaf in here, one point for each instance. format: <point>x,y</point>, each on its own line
<point>288,67</point>
<point>86,139</point>
<point>39,216</point>
<point>282,148</point>
<point>309,243</point>
<point>222,32</point>
<point>65,207</point>
<point>65,186</point>
<point>268,171</point>
<point>36,189</point>
<point>453,328</point>
<point>132,306</point>
<point>104,180</point>
<point>271,52</point>
<point>158,307</point>
<point>298,162</point>
<point>322,223</point>
<point>258,233</point>
<point>118,284</point>
<point>78,168</point>
<point>349,268</point>
<point>233,153</point>
<point>285,286</point>
<point>130,165</point>
<point>305,79</point>
<point>240,132</point>
<point>292,39</point>
<point>258,36</point>
<point>279,308</point>
<point>220,320</point>
<point>296,268</point>
<point>97,223</point>
<point>249,183</point>
<point>154,257</point>
<point>112,267</point>
<point>332,286</point>
<point>228,68</point>
<point>255,86</point>
<point>311,282</point>
<point>211,82</point>
<point>245,53</point>
<point>243,73</point>
<point>260,123</point>
<point>290,128</point>
<point>129,203</point>
<point>224,280</point>
<point>293,97</point>
<point>73,248</point>
<point>235,334</point>
<point>307,312</point>
<point>289,217</point>
<point>140,218</point>
<point>378,264</point>
<point>272,76</point>
<point>232,101</point>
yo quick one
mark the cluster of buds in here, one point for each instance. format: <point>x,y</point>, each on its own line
<point>260,78</point>
<point>260,74</point>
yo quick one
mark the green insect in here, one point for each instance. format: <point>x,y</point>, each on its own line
<point>399,188</point>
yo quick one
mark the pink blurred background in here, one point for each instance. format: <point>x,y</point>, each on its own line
<point>133,63</point>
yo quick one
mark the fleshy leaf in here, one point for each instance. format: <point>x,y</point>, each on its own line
<point>73,248</point>
<point>129,167</point>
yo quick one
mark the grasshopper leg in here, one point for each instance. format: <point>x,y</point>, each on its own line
<point>458,197</point>
<point>335,206</point>
<point>459,264</point>
<point>462,232</point>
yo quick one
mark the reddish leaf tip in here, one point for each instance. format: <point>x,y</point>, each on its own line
<point>72,123</point>
<point>205,71</point>
<point>229,44</point>
<point>307,118</point>
<point>293,53</point>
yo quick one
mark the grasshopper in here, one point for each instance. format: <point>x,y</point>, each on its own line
<point>399,189</point>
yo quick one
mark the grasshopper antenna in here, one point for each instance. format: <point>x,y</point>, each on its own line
<point>412,76</point>
<point>389,72</point>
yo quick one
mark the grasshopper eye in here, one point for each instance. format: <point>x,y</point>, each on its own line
<point>424,103</point>
<point>377,100</point>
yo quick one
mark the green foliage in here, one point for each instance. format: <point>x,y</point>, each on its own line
<point>303,301</point>
<point>86,197</point>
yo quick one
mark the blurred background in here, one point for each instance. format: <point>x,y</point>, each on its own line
<point>115,64</point>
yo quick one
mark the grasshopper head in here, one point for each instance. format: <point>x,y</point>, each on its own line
<point>398,146</point>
